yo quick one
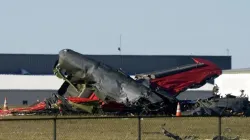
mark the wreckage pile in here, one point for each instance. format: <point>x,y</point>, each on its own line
<point>229,106</point>
<point>216,106</point>
<point>91,87</point>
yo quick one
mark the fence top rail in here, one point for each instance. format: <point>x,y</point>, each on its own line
<point>21,118</point>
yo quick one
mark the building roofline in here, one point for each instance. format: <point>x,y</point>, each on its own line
<point>159,55</point>
<point>236,71</point>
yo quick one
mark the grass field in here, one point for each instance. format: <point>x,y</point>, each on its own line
<point>122,129</point>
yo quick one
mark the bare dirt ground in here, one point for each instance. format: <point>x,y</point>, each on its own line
<point>123,129</point>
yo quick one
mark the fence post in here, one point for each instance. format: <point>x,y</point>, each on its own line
<point>139,127</point>
<point>54,120</point>
<point>219,127</point>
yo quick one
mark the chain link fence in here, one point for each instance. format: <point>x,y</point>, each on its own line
<point>122,128</point>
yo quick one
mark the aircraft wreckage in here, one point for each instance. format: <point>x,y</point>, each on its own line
<point>93,87</point>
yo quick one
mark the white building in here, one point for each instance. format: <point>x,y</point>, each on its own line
<point>233,81</point>
<point>21,89</point>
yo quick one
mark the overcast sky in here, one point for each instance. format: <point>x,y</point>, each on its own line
<point>147,27</point>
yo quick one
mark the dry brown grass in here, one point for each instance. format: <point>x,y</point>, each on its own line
<point>121,129</point>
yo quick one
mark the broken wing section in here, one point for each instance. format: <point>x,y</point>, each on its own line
<point>68,90</point>
<point>181,78</point>
<point>73,87</point>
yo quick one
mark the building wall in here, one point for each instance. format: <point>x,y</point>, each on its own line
<point>16,97</point>
<point>132,64</point>
<point>38,64</point>
<point>194,95</point>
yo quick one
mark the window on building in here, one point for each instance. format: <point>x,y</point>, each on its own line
<point>25,102</point>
